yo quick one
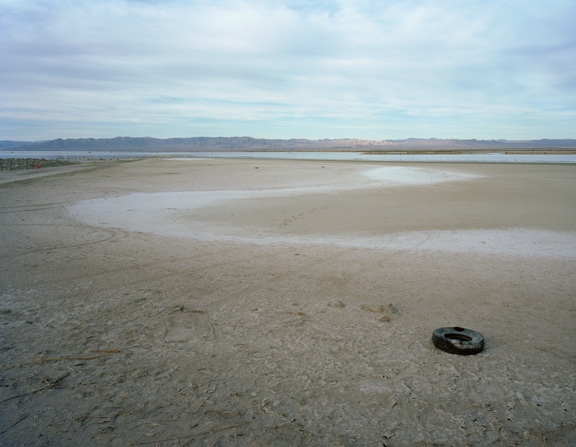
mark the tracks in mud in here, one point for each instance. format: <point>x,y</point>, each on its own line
<point>108,235</point>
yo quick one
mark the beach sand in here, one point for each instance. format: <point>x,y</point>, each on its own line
<point>268,302</point>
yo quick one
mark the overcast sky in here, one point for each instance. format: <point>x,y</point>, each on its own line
<point>372,69</point>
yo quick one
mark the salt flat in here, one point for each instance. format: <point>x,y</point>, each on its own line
<point>269,302</point>
<point>173,214</point>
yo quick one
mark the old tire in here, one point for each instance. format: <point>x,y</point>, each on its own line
<point>458,340</point>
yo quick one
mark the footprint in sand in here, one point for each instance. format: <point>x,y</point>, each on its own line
<point>387,311</point>
<point>185,325</point>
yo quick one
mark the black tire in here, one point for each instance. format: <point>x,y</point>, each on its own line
<point>457,340</point>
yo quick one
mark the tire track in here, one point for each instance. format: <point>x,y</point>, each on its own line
<point>110,234</point>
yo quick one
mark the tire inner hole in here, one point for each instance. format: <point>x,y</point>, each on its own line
<point>460,337</point>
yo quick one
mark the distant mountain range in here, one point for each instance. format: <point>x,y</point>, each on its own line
<point>200,144</point>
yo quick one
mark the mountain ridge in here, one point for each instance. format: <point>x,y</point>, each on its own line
<point>246,143</point>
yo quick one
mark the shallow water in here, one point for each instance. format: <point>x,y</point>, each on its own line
<point>336,156</point>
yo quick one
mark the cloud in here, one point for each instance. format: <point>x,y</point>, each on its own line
<point>372,69</point>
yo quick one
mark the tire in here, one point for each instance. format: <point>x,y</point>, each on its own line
<point>458,340</point>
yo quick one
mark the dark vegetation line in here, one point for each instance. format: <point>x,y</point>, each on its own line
<point>12,164</point>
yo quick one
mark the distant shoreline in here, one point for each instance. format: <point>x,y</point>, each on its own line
<point>476,151</point>
<point>424,156</point>
<point>538,151</point>
<point>398,151</point>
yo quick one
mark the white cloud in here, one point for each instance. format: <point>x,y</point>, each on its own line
<point>363,63</point>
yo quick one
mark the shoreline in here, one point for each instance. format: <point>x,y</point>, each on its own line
<point>536,157</point>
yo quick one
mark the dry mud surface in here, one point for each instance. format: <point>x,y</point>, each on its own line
<point>286,303</point>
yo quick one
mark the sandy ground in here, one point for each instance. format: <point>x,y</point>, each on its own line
<point>285,303</point>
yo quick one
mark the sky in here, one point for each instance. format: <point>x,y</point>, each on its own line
<point>367,69</point>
